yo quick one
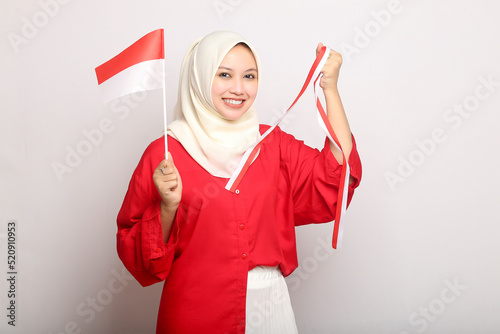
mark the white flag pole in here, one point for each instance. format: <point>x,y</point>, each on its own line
<point>164,108</point>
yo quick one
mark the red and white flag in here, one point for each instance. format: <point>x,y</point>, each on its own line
<point>140,67</point>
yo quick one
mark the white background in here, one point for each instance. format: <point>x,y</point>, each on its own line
<point>420,252</point>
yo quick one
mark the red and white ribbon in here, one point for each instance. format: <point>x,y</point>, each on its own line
<point>251,153</point>
<point>338,228</point>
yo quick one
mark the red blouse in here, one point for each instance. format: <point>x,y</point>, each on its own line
<point>218,236</point>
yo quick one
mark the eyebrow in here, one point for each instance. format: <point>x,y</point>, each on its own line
<point>230,69</point>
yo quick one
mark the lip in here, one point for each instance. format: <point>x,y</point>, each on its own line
<point>235,106</point>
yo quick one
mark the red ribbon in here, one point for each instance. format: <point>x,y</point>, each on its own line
<point>250,154</point>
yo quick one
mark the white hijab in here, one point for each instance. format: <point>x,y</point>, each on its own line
<point>214,142</point>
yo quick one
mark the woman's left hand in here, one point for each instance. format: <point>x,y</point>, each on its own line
<point>330,70</point>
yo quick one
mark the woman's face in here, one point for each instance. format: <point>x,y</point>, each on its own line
<point>235,84</point>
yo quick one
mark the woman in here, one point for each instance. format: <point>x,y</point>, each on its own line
<point>223,255</point>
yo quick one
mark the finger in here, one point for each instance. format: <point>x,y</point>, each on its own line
<point>170,186</point>
<point>176,171</point>
<point>166,166</point>
<point>318,48</point>
<point>167,174</point>
<point>167,178</point>
<point>334,54</point>
<point>167,182</point>
<point>163,170</point>
<point>167,170</point>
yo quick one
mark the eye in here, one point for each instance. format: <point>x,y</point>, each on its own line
<point>250,76</point>
<point>224,75</point>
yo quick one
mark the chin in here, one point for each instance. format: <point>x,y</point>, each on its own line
<point>232,115</point>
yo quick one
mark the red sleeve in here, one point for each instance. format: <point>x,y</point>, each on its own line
<point>140,242</point>
<point>314,177</point>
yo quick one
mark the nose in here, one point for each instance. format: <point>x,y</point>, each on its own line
<point>237,87</point>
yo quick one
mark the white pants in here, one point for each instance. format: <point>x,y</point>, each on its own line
<point>268,307</point>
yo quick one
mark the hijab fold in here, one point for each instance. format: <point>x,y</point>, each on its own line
<point>214,142</point>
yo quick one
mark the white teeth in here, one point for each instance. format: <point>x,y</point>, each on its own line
<point>233,101</point>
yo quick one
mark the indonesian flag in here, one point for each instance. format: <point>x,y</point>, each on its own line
<point>140,67</point>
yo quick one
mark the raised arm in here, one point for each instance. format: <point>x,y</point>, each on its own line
<point>334,108</point>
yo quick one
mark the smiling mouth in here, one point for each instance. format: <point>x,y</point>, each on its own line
<point>233,103</point>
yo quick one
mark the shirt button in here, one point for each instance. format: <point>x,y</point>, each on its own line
<point>243,257</point>
<point>237,191</point>
<point>158,250</point>
<point>242,227</point>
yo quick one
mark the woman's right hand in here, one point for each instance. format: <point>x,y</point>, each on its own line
<point>169,184</point>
